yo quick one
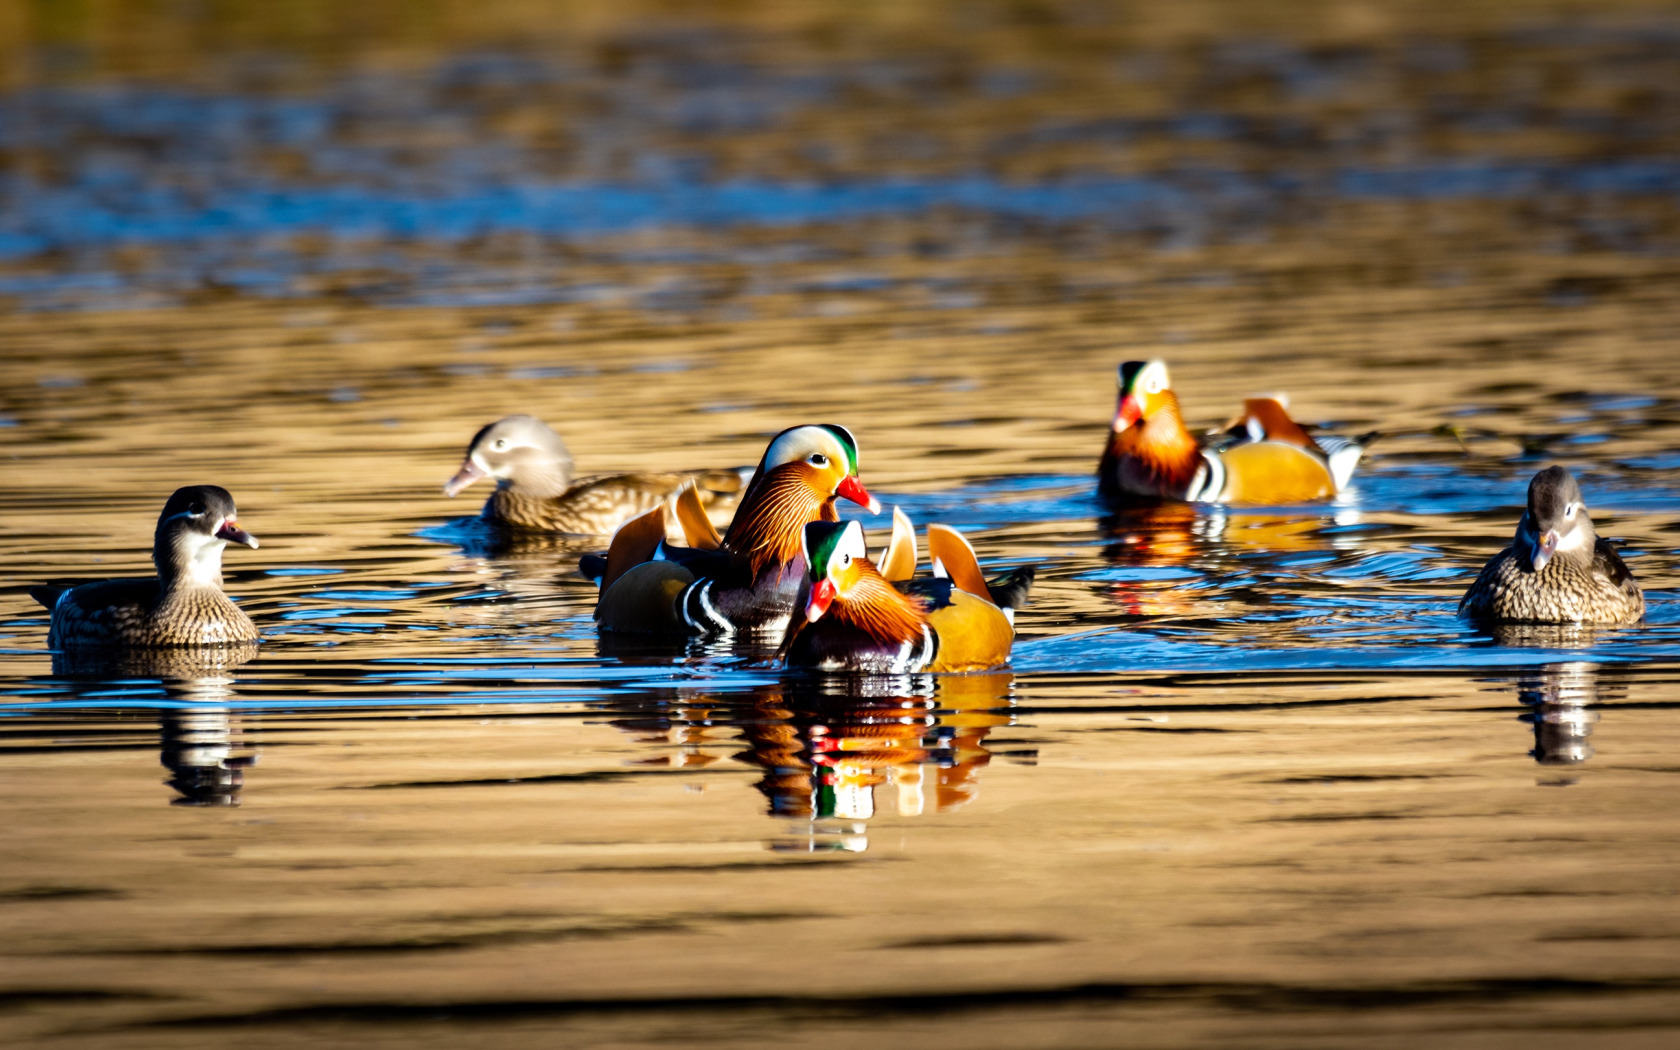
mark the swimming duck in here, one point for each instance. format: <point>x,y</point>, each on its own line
<point>183,605</point>
<point>856,618</point>
<point>535,488</point>
<point>747,579</point>
<point>1557,569</point>
<point>1261,457</point>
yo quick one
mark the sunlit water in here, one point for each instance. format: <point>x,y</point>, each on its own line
<point>1247,781</point>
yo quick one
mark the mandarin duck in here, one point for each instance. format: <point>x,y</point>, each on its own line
<point>182,605</point>
<point>857,617</point>
<point>1557,568</point>
<point>747,579</point>
<point>1261,457</point>
<point>535,489</point>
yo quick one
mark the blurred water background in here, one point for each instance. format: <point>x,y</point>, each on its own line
<point>1248,782</point>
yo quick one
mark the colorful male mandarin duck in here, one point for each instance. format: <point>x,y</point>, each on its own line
<point>535,489</point>
<point>1557,569</point>
<point>1262,457</point>
<point>857,619</point>
<point>747,579</point>
<point>182,605</point>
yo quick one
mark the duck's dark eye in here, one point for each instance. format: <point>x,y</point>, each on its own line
<point>845,560</point>
<point>818,460</point>
<point>196,508</point>
<point>501,443</point>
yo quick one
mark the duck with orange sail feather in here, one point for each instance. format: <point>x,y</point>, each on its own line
<point>857,619</point>
<point>1262,457</point>
<point>748,578</point>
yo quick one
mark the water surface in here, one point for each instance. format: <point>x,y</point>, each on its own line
<point>1247,781</point>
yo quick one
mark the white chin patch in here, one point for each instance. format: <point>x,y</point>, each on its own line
<point>1573,540</point>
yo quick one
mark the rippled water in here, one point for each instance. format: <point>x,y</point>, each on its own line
<point>1247,780</point>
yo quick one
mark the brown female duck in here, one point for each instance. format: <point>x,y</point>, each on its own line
<point>1557,568</point>
<point>535,489</point>
<point>182,605</point>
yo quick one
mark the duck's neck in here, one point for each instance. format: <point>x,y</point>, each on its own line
<point>545,480</point>
<point>772,516</point>
<point>1167,450</point>
<point>185,564</point>
<point>877,608</point>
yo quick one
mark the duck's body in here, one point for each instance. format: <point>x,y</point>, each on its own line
<point>1262,457</point>
<point>535,489</point>
<point>857,620</point>
<point>750,580</point>
<point>1557,569</point>
<point>182,606</point>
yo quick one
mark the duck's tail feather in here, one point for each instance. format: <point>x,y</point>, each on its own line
<point>1009,591</point>
<point>1343,454</point>
<point>47,594</point>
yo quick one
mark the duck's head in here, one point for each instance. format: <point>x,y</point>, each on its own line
<point>1145,388</point>
<point>834,557</point>
<point>824,456</point>
<point>520,449</point>
<point>1556,521</point>
<point>196,523</point>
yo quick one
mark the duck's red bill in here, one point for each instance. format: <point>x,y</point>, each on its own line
<point>822,594</point>
<point>851,488</point>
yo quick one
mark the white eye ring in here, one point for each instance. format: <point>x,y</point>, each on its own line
<point>500,444</point>
<point>1569,511</point>
<point>845,560</point>
<point>1152,385</point>
<point>817,459</point>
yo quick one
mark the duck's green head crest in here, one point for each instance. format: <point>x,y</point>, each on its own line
<point>826,542</point>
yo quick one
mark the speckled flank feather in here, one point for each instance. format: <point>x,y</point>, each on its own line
<point>1595,589</point>
<point>598,505</point>
<point>139,614</point>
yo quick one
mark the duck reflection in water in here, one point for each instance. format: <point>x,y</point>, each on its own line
<point>201,744</point>
<point>1560,698</point>
<point>1157,547</point>
<point>836,751</point>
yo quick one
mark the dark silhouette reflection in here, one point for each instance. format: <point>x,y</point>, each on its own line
<point>201,744</point>
<point>835,752</point>
<point>200,748</point>
<point>1560,697</point>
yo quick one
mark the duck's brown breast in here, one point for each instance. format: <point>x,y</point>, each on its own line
<point>1565,591</point>
<point>133,614</point>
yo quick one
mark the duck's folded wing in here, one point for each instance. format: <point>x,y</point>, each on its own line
<point>1608,561</point>
<point>973,634</point>
<point>1274,472</point>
